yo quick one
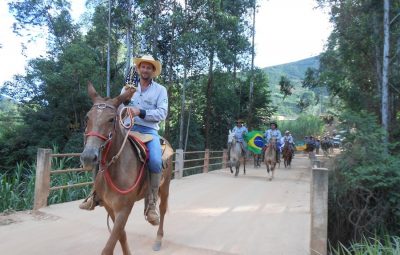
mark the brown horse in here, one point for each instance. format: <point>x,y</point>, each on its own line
<point>270,158</point>
<point>287,154</point>
<point>121,180</point>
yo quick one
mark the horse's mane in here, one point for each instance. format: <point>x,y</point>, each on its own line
<point>270,150</point>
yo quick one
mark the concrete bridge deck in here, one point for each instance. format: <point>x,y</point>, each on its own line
<point>212,213</point>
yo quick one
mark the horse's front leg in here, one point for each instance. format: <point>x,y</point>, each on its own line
<point>123,240</point>
<point>268,173</point>
<point>273,166</point>
<point>118,233</point>
<point>164,193</point>
<point>244,165</point>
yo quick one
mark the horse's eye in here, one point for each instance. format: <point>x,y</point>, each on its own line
<point>111,120</point>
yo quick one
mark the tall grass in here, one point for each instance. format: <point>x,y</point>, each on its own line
<point>305,125</point>
<point>68,194</point>
<point>373,246</point>
<point>17,188</point>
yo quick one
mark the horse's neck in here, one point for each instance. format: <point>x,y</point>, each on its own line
<point>127,153</point>
<point>270,150</point>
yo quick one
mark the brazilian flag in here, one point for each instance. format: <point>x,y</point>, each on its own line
<point>255,141</point>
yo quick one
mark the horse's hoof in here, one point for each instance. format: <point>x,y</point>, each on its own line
<point>157,245</point>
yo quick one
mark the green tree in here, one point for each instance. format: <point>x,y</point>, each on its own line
<point>285,87</point>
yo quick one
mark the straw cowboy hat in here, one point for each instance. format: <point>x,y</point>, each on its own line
<point>151,60</point>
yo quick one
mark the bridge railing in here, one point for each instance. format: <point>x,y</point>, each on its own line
<point>183,164</point>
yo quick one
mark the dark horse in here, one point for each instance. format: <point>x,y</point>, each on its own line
<point>120,181</point>
<point>326,145</point>
<point>287,154</point>
<point>257,159</point>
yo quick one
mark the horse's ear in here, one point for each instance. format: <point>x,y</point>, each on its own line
<point>127,95</point>
<point>92,91</point>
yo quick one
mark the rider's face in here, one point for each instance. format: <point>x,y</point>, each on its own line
<point>146,70</point>
<point>273,126</point>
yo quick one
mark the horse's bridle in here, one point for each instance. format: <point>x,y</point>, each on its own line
<point>102,106</point>
<point>107,139</point>
<point>107,144</point>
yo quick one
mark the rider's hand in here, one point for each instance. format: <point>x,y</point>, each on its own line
<point>135,111</point>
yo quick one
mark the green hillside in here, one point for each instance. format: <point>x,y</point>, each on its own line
<point>295,71</point>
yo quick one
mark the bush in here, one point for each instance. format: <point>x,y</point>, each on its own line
<point>371,246</point>
<point>364,185</point>
<point>305,125</point>
<point>17,188</point>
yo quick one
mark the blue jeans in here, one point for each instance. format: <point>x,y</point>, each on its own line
<point>154,146</point>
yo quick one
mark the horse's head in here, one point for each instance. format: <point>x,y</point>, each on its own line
<point>272,141</point>
<point>231,137</point>
<point>101,122</point>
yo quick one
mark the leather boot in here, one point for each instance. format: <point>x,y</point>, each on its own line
<point>152,216</point>
<point>89,203</point>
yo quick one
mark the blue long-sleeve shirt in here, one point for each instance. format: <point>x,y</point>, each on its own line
<point>153,101</point>
<point>273,133</point>
<point>239,132</point>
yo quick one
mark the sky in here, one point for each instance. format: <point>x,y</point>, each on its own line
<point>286,31</point>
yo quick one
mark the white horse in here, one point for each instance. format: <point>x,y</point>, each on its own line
<point>235,152</point>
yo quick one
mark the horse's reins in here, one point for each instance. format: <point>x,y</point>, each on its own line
<point>105,147</point>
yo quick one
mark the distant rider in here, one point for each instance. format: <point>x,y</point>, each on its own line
<point>289,138</point>
<point>274,132</point>
<point>239,130</point>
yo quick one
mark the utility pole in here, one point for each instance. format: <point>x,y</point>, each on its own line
<point>385,71</point>
<point>108,48</point>
<point>250,115</point>
<point>128,40</point>
<point>183,99</point>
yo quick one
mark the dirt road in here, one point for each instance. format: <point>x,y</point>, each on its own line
<point>212,213</point>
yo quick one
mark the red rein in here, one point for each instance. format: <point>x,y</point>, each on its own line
<point>104,167</point>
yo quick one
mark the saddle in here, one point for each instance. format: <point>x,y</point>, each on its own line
<point>139,140</point>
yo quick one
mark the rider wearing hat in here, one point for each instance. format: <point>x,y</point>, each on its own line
<point>274,132</point>
<point>149,106</point>
<point>288,137</point>
<point>239,130</point>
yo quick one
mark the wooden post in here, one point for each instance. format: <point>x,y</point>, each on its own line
<point>224,158</point>
<point>206,160</point>
<point>319,211</point>
<point>179,163</point>
<point>42,182</point>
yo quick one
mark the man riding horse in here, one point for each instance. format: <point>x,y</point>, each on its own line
<point>149,106</point>
<point>288,138</point>
<point>274,132</point>
<point>239,130</point>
